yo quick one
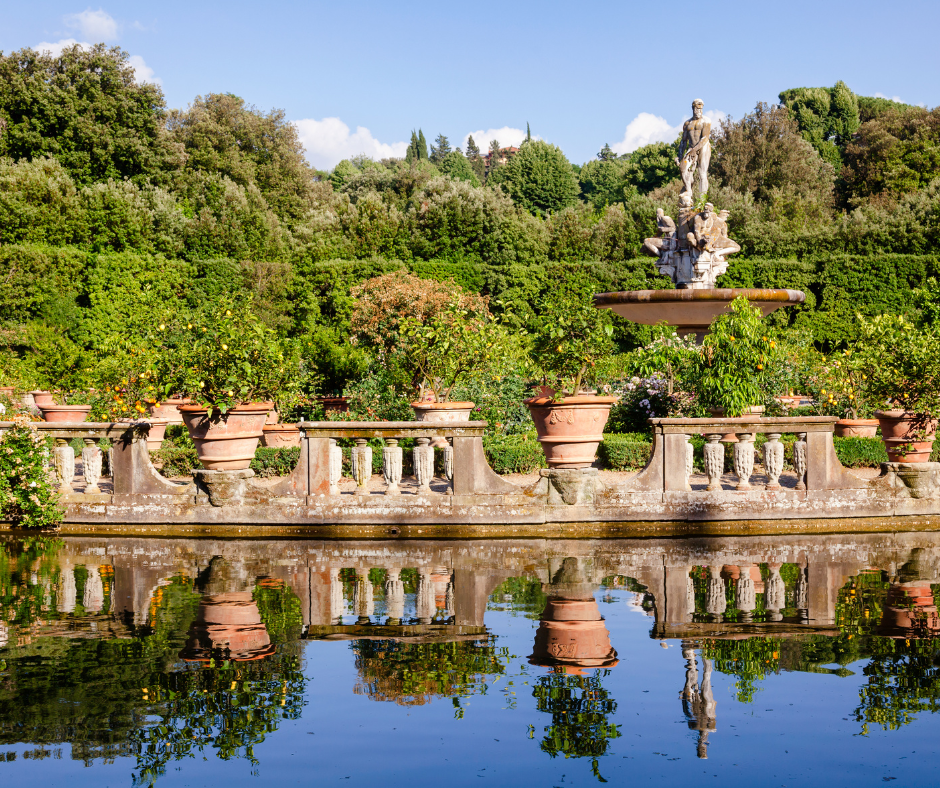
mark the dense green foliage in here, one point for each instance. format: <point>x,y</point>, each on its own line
<point>27,497</point>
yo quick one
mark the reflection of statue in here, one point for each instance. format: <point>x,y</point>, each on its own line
<point>698,704</point>
<point>695,150</point>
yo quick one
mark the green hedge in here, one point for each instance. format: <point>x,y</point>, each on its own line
<point>514,454</point>
<point>860,452</point>
<point>275,462</point>
<point>626,452</point>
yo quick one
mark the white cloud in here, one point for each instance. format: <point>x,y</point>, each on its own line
<point>96,25</point>
<point>329,141</point>
<point>56,47</point>
<point>647,128</point>
<point>893,98</point>
<point>507,137</point>
<point>142,71</point>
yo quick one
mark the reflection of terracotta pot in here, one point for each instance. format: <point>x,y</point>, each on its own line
<point>856,428</point>
<point>169,409</point>
<point>910,611</point>
<point>230,623</point>
<point>572,634</point>
<point>280,436</point>
<point>571,610</point>
<point>730,572</point>
<point>42,398</point>
<point>571,429</point>
<point>226,443</point>
<point>897,428</point>
<point>61,414</point>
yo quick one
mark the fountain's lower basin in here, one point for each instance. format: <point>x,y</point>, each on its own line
<point>691,311</point>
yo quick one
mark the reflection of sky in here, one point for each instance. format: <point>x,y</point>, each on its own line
<point>794,733</point>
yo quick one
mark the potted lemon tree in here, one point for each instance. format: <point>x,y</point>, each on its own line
<point>572,341</point>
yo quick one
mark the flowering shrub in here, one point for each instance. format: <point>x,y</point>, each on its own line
<point>642,399</point>
<point>27,498</point>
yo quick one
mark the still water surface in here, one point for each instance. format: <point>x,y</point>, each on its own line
<point>762,660</point>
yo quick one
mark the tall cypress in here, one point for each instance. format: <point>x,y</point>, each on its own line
<point>422,146</point>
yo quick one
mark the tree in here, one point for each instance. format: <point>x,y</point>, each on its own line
<point>539,178</point>
<point>764,154</point>
<point>893,154</point>
<point>473,150</point>
<point>651,167</point>
<point>456,166</point>
<point>440,149</point>
<point>422,146</point>
<point>602,181</point>
<point>85,108</point>
<point>411,155</point>
<point>606,154</point>
<point>528,133</point>
<point>221,133</point>
<point>475,159</point>
<point>827,117</point>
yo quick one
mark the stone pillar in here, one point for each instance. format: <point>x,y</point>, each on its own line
<point>714,460</point>
<point>689,463</point>
<point>744,459</point>
<point>690,596</point>
<point>394,596</point>
<point>799,460</point>
<point>363,598</point>
<point>449,460</point>
<point>362,465</point>
<point>93,598</point>
<point>64,459</point>
<point>336,466</point>
<point>773,460</point>
<point>424,465</point>
<point>425,608</point>
<point>776,594</point>
<point>91,466</point>
<point>745,598</point>
<point>391,466</point>
<point>716,601</point>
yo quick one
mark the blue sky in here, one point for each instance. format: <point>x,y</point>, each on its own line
<point>358,76</point>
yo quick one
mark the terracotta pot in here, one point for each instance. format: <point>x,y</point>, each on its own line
<point>334,404</point>
<point>6,391</point>
<point>272,418</point>
<point>719,413</point>
<point>280,436</point>
<point>572,634</point>
<point>229,623</point>
<point>897,427</point>
<point>226,443</point>
<point>856,428</point>
<point>65,413</point>
<point>42,398</point>
<point>157,433</point>
<point>169,409</point>
<point>442,411</point>
<point>571,429</point>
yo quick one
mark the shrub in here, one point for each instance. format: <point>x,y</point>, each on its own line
<point>627,452</point>
<point>860,452</point>
<point>27,499</point>
<point>275,462</point>
<point>177,456</point>
<point>514,454</point>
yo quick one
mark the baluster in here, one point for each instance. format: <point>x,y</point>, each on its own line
<point>448,450</point>
<point>716,601</point>
<point>773,460</point>
<point>91,466</point>
<point>745,598</point>
<point>336,466</point>
<point>776,593</point>
<point>714,460</point>
<point>394,596</point>
<point>744,459</point>
<point>391,465</point>
<point>362,465</point>
<point>799,460</point>
<point>64,459</point>
<point>363,597</point>
<point>424,465</point>
<point>337,603</point>
<point>425,606</point>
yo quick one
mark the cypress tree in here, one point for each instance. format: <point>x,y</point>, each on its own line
<point>422,146</point>
<point>473,150</point>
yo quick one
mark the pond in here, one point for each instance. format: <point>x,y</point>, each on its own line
<point>786,660</point>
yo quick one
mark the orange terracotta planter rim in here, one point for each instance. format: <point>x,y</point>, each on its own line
<point>581,399</point>
<point>65,407</point>
<point>858,422</point>
<point>444,405</point>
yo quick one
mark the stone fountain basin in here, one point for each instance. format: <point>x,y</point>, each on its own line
<point>691,311</point>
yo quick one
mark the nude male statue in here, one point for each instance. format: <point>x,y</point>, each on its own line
<point>665,232</point>
<point>695,151</point>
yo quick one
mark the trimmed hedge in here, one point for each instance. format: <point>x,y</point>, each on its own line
<point>860,452</point>
<point>275,462</point>
<point>514,454</point>
<point>625,452</point>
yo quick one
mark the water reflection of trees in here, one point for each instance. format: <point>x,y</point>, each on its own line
<point>579,707</point>
<point>64,677</point>
<point>412,674</point>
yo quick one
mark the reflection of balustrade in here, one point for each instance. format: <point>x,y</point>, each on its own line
<point>814,459</point>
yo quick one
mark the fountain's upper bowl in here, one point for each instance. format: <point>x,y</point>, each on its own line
<point>691,311</point>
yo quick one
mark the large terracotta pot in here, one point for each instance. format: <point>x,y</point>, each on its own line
<point>897,429</point>
<point>442,411</point>
<point>169,409</point>
<point>42,398</point>
<point>856,428</point>
<point>155,435</point>
<point>571,429</point>
<point>65,413</point>
<point>6,391</point>
<point>226,443</point>
<point>280,436</point>
<point>334,404</point>
<point>719,413</point>
<point>229,623</point>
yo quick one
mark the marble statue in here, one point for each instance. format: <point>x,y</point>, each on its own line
<point>692,251</point>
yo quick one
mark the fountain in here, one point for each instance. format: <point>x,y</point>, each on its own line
<point>692,253</point>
